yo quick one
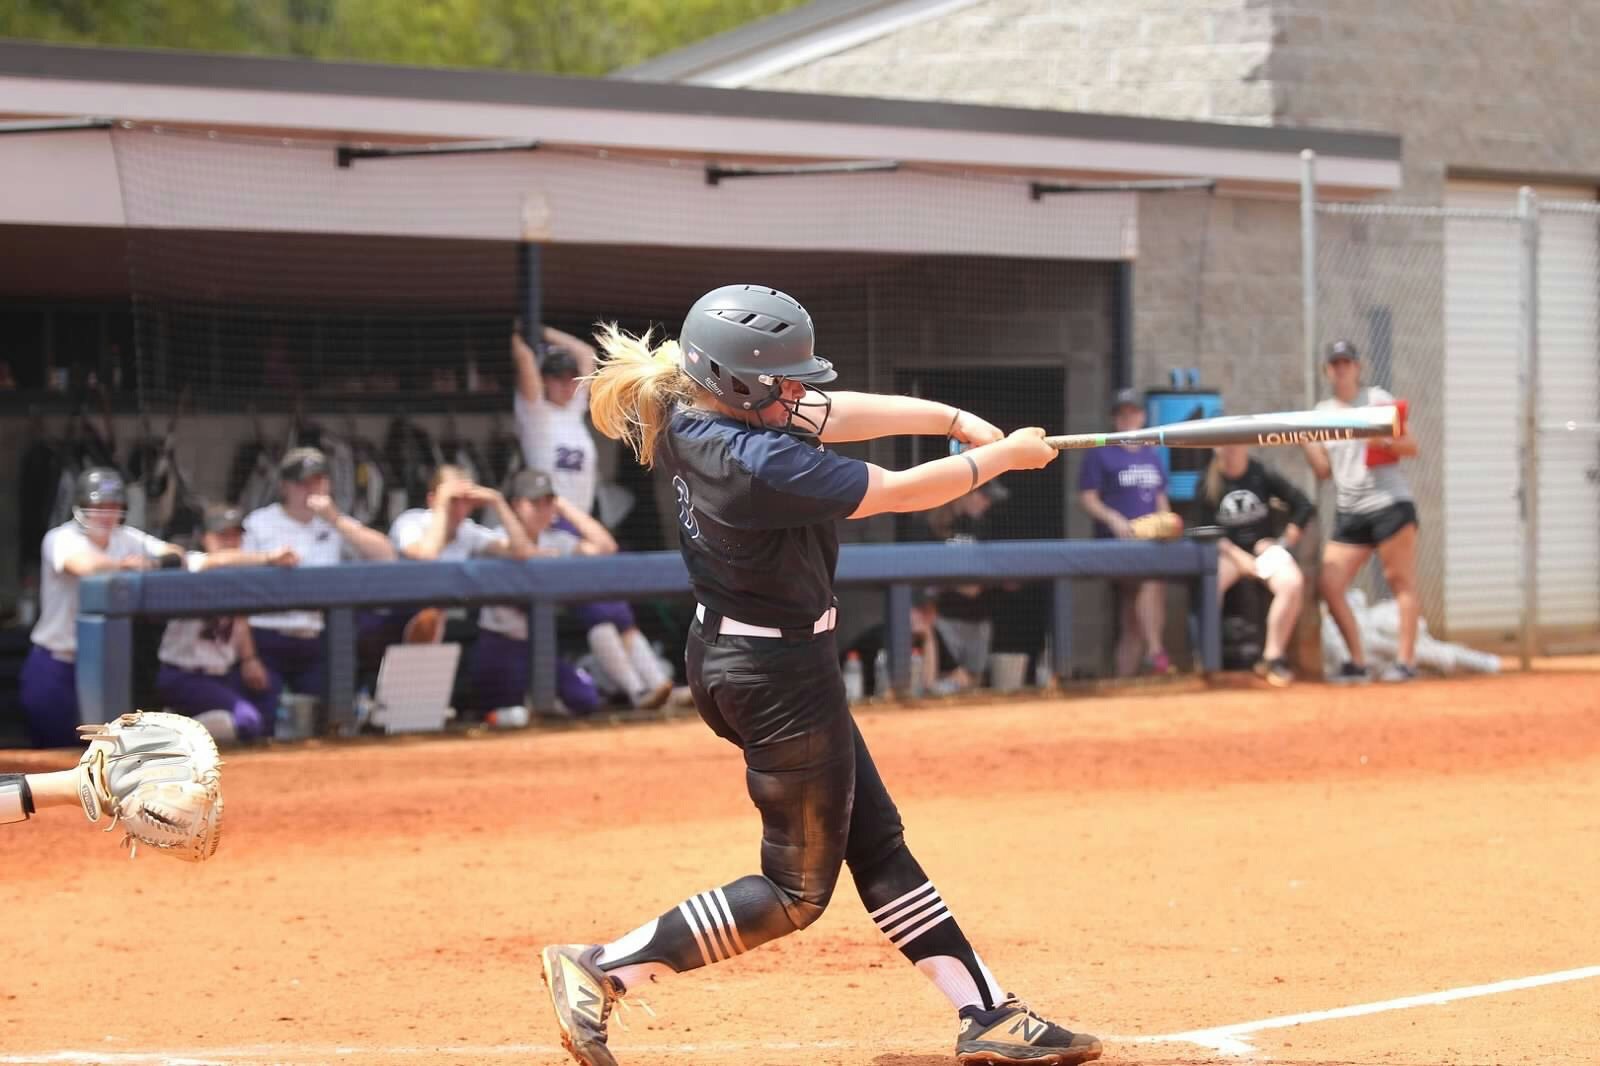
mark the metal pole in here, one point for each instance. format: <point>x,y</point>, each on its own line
<point>1308,271</point>
<point>1528,308</point>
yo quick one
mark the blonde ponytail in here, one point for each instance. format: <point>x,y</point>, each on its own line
<point>635,389</point>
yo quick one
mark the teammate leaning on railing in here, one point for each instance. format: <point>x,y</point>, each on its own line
<point>732,411</point>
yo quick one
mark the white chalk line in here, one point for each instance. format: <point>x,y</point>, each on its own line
<point>1223,1039</point>
<point>1232,1039</point>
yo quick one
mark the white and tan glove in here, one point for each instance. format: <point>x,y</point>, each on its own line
<point>160,777</point>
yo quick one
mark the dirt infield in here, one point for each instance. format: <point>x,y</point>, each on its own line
<point>1144,865</point>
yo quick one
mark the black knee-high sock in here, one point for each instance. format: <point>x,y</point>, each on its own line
<point>706,928</point>
<point>907,908</point>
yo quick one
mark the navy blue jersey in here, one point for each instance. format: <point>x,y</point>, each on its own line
<point>756,514</point>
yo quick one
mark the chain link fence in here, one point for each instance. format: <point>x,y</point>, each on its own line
<point>1466,311</point>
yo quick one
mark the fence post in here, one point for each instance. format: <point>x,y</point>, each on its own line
<point>339,680</point>
<point>542,687</point>
<point>1061,629</point>
<point>1308,271</point>
<point>1528,495</point>
<point>897,637</point>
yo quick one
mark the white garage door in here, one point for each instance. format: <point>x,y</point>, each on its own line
<point>1482,419</point>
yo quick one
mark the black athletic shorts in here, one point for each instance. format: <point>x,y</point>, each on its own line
<point>1374,527</point>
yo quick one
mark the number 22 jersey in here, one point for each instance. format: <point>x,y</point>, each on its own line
<point>557,440</point>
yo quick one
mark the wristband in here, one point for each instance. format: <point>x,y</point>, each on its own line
<point>952,430</point>
<point>974,464</point>
<point>16,799</point>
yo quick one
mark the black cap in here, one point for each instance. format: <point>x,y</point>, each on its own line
<point>557,362</point>
<point>302,464</point>
<point>1126,398</point>
<point>531,485</point>
<point>220,518</point>
<point>1341,350</point>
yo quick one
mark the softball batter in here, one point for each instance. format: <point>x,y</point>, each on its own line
<point>732,412</point>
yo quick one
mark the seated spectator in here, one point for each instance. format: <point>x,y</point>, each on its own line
<point>942,672</point>
<point>1116,485</point>
<point>94,542</point>
<point>209,666</point>
<point>309,523</point>
<point>963,614</point>
<point>444,531</point>
<point>500,659</point>
<point>1239,491</point>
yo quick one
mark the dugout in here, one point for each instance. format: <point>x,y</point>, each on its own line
<point>206,254</point>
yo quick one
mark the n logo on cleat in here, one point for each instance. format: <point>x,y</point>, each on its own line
<point>588,1004</point>
<point>1030,1029</point>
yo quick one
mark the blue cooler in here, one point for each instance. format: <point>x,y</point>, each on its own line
<point>1185,466</point>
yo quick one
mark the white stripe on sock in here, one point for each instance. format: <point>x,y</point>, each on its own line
<point>906,919</point>
<point>688,916</point>
<point>942,916</point>
<point>915,905</point>
<point>892,904</point>
<point>723,940</point>
<point>733,926</point>
<point>708,927</point>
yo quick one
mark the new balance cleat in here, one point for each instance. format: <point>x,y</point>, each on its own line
<point>582,996</point>
<point>1011,1033</point>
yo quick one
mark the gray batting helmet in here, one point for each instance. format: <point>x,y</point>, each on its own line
<point>100,489</point>
<point>742,342</point>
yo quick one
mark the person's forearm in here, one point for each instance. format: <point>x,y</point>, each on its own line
<point>938,481</point>
<point>868,416</point>
<point>369,542</point>
<point>517,539</point>
<point>596,537</point>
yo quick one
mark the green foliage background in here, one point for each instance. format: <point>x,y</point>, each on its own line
<point>551,36</point>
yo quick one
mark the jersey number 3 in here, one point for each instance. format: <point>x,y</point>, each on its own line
<point>686,508</point>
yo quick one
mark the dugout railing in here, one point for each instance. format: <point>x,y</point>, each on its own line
<point>110,603</point>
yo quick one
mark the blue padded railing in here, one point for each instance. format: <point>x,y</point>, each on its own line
<point>109,603</point>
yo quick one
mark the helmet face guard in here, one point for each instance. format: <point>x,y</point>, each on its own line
<point>742,342</point>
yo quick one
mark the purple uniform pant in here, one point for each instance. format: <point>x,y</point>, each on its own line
<point>617,612</point>
<point>49,690</point>
<point>498,675</point>
<point>190,693</point>
<point>298,662</point>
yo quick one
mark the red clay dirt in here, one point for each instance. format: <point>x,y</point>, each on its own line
<point>1138,864</point>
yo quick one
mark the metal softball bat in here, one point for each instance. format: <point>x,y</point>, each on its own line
<point>1268,430</point>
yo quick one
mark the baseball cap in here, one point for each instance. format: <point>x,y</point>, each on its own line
<point>220,518</point>
<point>302,464</point>
<point>557,362</point>
<point>1126,398</point>
<point>1342,350</point>
<point>531,485</point>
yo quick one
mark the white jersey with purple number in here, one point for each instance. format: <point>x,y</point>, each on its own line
<point>557,440</point>
<point>316,542</point>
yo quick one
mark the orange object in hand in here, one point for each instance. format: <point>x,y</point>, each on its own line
<point>1379,454</point>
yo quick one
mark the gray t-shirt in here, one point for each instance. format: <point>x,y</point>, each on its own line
<point>1363,489</point>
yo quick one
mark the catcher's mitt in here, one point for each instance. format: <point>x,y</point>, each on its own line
<point>158,775</point>
<point>1163,525</point>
